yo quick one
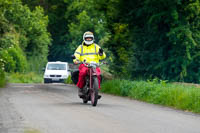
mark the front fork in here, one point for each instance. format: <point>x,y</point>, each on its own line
<point>92,72</point>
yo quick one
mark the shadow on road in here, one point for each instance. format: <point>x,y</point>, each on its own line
<point>78,104</point>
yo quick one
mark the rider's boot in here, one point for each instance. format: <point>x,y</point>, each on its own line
<point>80,92</point>
<point>99,96</point>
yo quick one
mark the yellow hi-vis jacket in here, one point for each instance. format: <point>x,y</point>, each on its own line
<point>88,53</point>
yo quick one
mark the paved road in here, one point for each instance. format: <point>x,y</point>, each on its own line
<point>56,108</point>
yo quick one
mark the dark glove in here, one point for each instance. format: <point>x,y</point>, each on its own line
<point>100,51</point>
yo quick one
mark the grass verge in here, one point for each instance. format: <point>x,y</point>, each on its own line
<point>24,78</point>
<point>178,96</point>
<point>2,79</point>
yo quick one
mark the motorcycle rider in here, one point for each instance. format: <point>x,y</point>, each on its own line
<point>90,52</point>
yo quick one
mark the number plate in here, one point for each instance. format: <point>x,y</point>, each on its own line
<point>55,79</point>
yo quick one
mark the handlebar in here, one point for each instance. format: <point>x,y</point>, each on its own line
<point>92,63</point>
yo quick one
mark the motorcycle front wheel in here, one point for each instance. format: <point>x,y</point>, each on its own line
<point>94,91</point>
<point>85,100</point>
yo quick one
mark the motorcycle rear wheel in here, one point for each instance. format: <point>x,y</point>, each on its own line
<point>94,92</point>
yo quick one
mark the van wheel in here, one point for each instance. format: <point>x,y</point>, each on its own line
<point>46,81</point>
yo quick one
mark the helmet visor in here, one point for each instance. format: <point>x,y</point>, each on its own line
<point>88,38</point>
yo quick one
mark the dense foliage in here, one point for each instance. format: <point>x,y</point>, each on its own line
<point>156,38</point>
<point>150,38</point>
<point>143,38</point>
<point>69,19</point>
<point>23,37</point>
<point>167,40</point>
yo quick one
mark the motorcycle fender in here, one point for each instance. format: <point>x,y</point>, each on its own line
<point>94,72</point>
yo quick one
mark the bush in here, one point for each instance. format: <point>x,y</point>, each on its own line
<point>111,86</point>
<point>15,61</point>
<point>2,78</point>
<point>10,63</point>
<point>68,80</point>
<point>19,58</point>
<point>2,74</point>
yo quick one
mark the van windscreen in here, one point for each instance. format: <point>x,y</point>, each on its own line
<point>56,67</point>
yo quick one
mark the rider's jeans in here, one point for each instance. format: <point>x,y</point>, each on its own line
<point>82,74</point>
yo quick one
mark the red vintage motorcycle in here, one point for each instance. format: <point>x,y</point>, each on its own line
<point>91,88</point>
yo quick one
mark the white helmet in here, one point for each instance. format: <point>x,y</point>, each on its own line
<point>90,35</point>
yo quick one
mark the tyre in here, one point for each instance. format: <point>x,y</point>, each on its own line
<point>85,100</point>
<point>46,81</point>
<point>94,91</point>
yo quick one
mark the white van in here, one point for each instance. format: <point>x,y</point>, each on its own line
<point>56,72</point>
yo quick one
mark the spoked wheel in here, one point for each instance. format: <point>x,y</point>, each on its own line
<point>94,92</point>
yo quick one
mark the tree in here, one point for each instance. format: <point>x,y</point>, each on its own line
<point>86,17</point>
<point>26,31</point>
<point>147,38</point>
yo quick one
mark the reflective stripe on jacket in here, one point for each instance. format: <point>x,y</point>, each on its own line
<point>89,53</point>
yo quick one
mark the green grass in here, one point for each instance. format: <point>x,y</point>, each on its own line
<point>24,78</point>
<point>179,96</point>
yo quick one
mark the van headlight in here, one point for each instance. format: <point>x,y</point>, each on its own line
<point>65,76</point>
<point>46,76</point>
